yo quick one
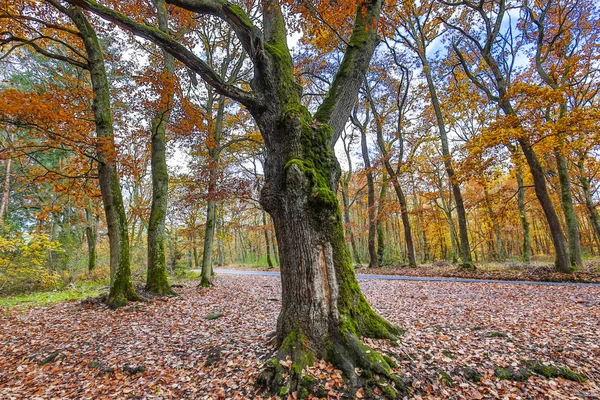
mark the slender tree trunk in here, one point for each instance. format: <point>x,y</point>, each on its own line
<point>350,233</point>
<point>121,288</point>
<point>91,234</point>
<point>589,202</point>
<point>267,241</point>
<point>465,249</point>
<point>562,261</point>
<point>412,261</point>
<point>221,260</point>
<point>206,280</point>
<point>495,225</point>
<point>379,224</point>
<point>370,201</point>
<point>526,246</point>
<point>569,210</point>
<point>6,189</point>
<point>157,281</point>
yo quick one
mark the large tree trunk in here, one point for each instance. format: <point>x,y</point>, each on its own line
<point>370,200</point>
<point>568,210</point>
<point>121,288</point>
<point>323,311</point>
<point>157,281</point>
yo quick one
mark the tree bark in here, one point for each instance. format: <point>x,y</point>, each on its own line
<point>157,281</point>
<point>211,217</point>
<point>209,234</point>
<point>562,261</point>
<point>346,202</point>
<point>495,225</point>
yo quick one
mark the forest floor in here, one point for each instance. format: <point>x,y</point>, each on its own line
<point>507,271</point>
<point>457,336</point>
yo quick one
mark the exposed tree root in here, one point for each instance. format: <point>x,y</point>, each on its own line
<point>362,367</point>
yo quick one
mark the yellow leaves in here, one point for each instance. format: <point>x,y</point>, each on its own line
<point>22,263</point>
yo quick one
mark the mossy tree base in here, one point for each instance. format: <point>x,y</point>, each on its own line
<point>362,367</point>
<point>468,265</point>
<point>205,282</point>
<point>121,295</point>
<point>161,290</point>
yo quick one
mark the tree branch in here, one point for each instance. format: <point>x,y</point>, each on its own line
<point>337,105</point>
<point>180,52</point>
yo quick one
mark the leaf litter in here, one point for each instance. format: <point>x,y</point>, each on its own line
<point>458,335</point>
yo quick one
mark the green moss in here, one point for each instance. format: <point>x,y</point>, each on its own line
<point>82,291</point>
<point>497,335</point>
<point>240,14</point>
<point>448,353</point>
<point>519,375</point>
<point>212,316</point>
<point>549,371</point>
<point>390,361</point>
<point>445,378</point>
<point>471,374</point>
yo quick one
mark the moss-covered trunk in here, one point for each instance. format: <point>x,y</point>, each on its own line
<point>121,288</point>
<point>157,281</point>
<point>323,313</point>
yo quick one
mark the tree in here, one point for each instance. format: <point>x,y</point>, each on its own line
<point>157,279</point>
<point>323,310</point>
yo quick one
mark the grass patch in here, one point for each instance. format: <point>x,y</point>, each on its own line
<point>70,293</point>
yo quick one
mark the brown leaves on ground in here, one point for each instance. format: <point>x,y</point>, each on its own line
<point>167,349</point>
